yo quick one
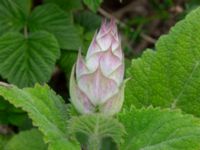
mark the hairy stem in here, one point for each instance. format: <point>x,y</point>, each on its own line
<point>94,143</point>
<point>25,31</point>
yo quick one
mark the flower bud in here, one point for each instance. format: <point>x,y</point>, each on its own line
<point>96,83</point>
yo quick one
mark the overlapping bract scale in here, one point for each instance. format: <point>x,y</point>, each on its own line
<point>97,82</point>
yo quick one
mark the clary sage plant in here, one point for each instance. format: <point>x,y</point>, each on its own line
<point>96,83</point>
<point>162,99</point>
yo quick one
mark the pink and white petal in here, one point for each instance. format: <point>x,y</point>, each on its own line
<point>93,48</point>
<point>114,104</point>
<point>116,42</point>
<point>104,29</point>
<point>118,52</point>
<point>109,62</point>
<point>80,101</point>
<point>108,35</point>
<point>113,27</point>
<point>114,33</point>
<point>97,87</point>
<point>115,45</point>
<point>118,75</point>
<point>93,61</point>
<point>105,42</point>
<point>81,67</point>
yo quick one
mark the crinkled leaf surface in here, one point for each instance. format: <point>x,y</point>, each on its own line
<point>51,18</point>
<point>46,109</point>
<point>169,76</point>
<point>155,129</point>
<point>25,61</point>
<point>26,140</point>
<point>13,14</point>
<point>91,129</point>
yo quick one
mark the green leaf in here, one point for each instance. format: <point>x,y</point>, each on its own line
<point>51,18</point>
<point>89,20</point>
<point>3,104</point>
<point>3,141</point>
<point>45,108</point>
<point>25,61</point>
<point>61,144</point>
<point>67,60</point>
<point>13,14</point>
<point>155,129</point>
<point>11,115</point>
<point>67,5</point>
<point>93,4</point>
<point>169,76</point>
<point>26,140</point>
<point>91,130</point>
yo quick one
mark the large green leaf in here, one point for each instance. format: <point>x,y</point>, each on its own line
<point>155,129</point>
<point>45,108</point>
<point>94,130</point>
<point>51,18</point>
<point>169,76</point>
<point>13,14</point>
<point>25,61</point>
<point>26,140</point>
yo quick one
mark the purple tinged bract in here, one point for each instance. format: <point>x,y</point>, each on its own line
<point>96,83</point>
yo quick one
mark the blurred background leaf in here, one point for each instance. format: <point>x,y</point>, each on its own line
<point>29,140</point>
<point>93,4</point>
<point>11,115</point>
<point>67,5</point>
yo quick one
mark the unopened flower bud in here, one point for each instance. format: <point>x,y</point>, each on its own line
<point>96,83</point>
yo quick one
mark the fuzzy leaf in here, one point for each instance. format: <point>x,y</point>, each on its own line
<point>51,18</point>
<point>25,61</point>
<point>169,76</point>
<point>155,129</point>
<point>91,129</point>
<point>26,140</point>
<point>45,108</point>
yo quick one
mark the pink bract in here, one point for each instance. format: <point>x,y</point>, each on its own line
<point>97,85</point>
